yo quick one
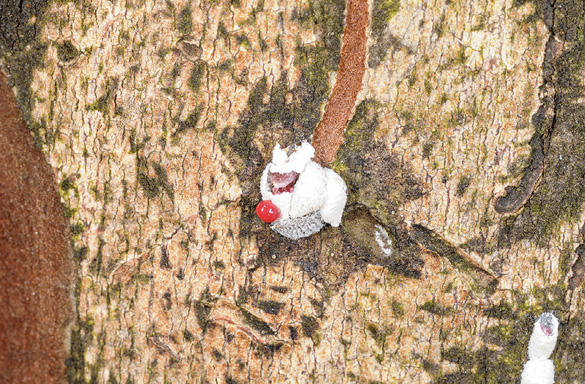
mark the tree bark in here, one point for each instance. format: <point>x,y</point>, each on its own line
<point>464,157</point>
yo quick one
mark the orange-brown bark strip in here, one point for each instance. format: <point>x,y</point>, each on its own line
<point>328,136</point>
<point>35,262</point>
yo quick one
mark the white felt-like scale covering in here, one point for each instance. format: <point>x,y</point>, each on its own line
<point>538,372</point>
<point>319,194</point>
<point>539,369</point>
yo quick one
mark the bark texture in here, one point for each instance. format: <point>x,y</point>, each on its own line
<point>464,159</point>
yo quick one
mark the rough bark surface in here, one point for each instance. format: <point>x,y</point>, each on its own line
<point>464,160</point>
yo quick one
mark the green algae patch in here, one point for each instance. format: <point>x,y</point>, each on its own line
<point>328,16</point>
<point>375,177</point>
<point>383,11</point>
<point>542,9</point>
<point>68,184</point>
<point>310,326</point>
<point>397,308</point>
<point>256,323</point>
<point>270,306</point>
<point>153,186</point>
<point>67,51</point>
<point>102,103</point>
<point>22,64</point>
<point>75,363</point>
<point>568,356</point>
<point>80,254</point>
<point>464,183</point>
<point>196,76</point>
<point>502,311</point>
<point>238,141</point>
<point>202,308</point>
<point>184,23</point>
<point>190,122</point>
<point>77,229</point>
<point>379,334</point>
<point>95,266</point>
<point>436,308</point>
<point>359,134</point>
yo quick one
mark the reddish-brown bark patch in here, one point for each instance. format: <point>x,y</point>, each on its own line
<point>35,261</point>
<point>328,136</point>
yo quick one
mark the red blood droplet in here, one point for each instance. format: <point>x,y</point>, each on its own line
<point>267,211</point>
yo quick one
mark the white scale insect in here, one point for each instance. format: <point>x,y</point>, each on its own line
<point>300,196</point>
<point>539,369</point>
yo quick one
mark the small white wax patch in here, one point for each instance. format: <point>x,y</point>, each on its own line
<point>318,196</point>
<point>539,369</point>
<point>383,240</point>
